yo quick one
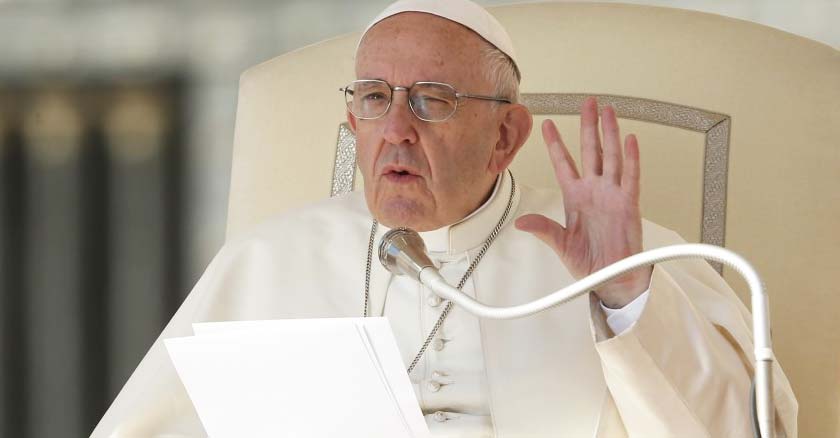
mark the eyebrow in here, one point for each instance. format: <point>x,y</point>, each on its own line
<point>423,80</point>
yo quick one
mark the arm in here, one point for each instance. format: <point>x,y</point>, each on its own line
<point>683,368</point>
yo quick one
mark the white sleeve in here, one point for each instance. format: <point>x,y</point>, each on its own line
<point>622,319</point>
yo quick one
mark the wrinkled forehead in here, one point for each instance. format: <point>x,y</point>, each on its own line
<point>422,43</point>
<point>424,31</point>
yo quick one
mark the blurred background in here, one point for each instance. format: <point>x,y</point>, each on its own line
<point>116,125</point>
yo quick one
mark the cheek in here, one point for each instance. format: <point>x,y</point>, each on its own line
<point>366,153</point>
<point>364,159</point>
<point>465,159</point>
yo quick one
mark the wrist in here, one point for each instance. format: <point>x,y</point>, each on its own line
<point>623,290</point>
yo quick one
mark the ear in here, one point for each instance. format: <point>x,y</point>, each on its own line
<point>514,129</point>
<point>351,120</point>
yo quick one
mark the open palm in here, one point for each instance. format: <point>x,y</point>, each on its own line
<point>603,220</point>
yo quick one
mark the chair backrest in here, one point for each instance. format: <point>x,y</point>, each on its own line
<point>738,126</point>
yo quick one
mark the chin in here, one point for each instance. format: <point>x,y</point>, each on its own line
<point>403,212</point>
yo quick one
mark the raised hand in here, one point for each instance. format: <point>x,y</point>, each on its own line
<point>603,220</point>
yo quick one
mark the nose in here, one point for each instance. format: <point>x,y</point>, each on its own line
<point>399,126</point>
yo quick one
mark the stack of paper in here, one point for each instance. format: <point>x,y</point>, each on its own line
<point>298,378</point>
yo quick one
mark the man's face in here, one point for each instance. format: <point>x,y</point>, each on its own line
<point>425,175</point>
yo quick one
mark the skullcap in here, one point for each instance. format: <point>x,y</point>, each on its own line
<point>463,12</point>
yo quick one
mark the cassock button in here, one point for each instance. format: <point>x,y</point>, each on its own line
<point>433,386</point>
<point>438,344</point>
<point>434,300</point>
<point>439,416</point>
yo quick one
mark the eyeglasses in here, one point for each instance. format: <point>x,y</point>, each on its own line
<point>369,99</point>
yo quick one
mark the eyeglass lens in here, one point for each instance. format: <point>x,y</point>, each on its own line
<point>370,99</point>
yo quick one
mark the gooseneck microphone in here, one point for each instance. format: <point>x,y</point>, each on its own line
<point>403,252</point>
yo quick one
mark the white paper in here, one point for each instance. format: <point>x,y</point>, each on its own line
<point>298,378</point>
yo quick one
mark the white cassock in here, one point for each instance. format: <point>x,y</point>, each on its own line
<point>681,369</point>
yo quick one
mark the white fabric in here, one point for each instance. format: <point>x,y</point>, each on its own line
<point>449,380</point>
<point>622,319</point>
<point>463,12</point>
<point>681,370</point>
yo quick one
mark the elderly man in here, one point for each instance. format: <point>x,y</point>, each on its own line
<point>659,352</point>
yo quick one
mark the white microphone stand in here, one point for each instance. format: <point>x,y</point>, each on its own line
<point>403,252</point>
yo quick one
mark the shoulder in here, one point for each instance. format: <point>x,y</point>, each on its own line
<point>319,222</point>
<point>294,264</point>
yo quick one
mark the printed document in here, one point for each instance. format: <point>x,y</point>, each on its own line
<point>332,377</point>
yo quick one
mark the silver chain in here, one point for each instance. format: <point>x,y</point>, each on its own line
<point>464,278</point>
<point>367,268</point>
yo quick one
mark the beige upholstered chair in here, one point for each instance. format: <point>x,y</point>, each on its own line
<point>738,125</point>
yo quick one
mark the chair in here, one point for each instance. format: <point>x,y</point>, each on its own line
<point>737,122</point>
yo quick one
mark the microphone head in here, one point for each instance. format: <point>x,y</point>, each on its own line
<point>403,252</point>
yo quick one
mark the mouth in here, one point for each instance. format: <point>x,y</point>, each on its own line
<point>400,174</point>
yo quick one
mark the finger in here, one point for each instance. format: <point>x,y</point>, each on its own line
<point>612,145</point>
<point>590,143</point>
<point>565,169</point>
<point>550,232</point>
<point>631,172</point>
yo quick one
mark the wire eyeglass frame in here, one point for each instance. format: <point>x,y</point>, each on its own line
<point>349,90</point>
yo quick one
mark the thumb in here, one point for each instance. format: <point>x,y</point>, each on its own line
<point>549,231</point>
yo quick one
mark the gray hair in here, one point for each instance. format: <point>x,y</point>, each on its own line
<point>500,70</point>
